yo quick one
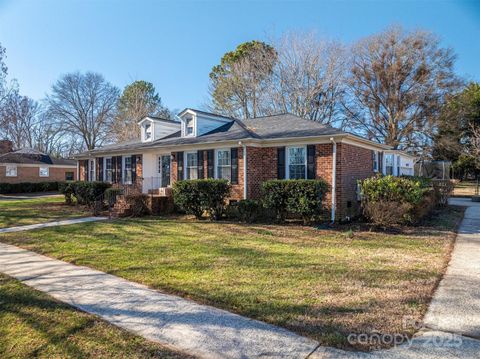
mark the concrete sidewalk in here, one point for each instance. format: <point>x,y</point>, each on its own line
<point>181,324</point>
<point>51,224</point>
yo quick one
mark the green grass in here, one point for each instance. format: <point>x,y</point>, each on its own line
<point>33,325</point>
<point>37,210</point>
<point>319,283</point>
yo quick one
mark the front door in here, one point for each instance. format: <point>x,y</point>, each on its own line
<point>164,170</point>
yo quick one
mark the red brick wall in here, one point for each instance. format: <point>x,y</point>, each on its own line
<point>356,163</point>
<point>31,174</point>
<point>261,166</point>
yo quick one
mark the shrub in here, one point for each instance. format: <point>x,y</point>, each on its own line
<point>111,195</point>
<point>87,192</point>
<point>246,210</point>
<point>394,200</point>
<point>442,189</point>
<point>199,196</point>
<point>66,189</point>
<point>138,204</point>
<point>300,197</point>
<point>28,187</point>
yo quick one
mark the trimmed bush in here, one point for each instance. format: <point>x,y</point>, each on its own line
<point>29,187</point>
<point>298,197</point>
<point>86,193</point>
<point>246,210</point>
<point>443,190</point>
<point>388,200</point>
<point>199,196</point>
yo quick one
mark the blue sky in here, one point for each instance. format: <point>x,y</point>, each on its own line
<point>174,44</point>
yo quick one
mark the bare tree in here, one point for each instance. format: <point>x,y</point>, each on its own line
<point>85,105</point>
<point>308,77</point>
<point>18,118</point>
<point>397,85</point>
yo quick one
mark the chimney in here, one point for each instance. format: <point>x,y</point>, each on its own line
<point>6,146</point>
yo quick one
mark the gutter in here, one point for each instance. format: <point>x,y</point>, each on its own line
<point>334,179</point>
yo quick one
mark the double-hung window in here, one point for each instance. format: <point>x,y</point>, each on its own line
<point>375,160</point>
<point>11,171</point>
<point>296,163</point>
<point>189,126</point>
<point>224,164</point>
<point>43,172</point>
<point>389,164</point>
<point>108,169</point>
<point>148,131</point>
<point>192,166</point>
<point>127,177</point>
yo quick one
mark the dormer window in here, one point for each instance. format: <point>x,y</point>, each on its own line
<point>148,132</point>
<point>189,126</point>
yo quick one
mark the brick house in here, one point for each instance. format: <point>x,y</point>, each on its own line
<point>27,165</point>
<point>246,152</point>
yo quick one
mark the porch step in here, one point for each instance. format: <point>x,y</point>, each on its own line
<point>162,192</point>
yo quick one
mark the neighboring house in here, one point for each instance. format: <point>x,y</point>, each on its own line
<point>27,165</point>
<point>246,152</point>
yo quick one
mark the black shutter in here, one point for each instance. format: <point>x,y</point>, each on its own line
<point>380,162</point>
<point>134,168</point>
<point>179,166</point>
<point>119,169</point>
<point>281,162</point>
<point>311,162</point>
<point>210,164</point>
<point>234,165</point>
<point>100,168</point>
<point>200,168</point>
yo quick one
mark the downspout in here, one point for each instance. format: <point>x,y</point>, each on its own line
<point>334,178</point>
<point>245,182</point>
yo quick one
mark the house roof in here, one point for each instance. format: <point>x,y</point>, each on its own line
<point>276,127</point>
<point>34,157</point>
<point>156,118</point>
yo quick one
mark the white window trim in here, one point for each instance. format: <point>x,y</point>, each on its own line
<point>185,163</point>
<point>152,131</point>
<point>94,173</point>
<point>124,168</point>
<point>105,168</point>
<point>194,122</point>
<point>11,167</point>
<point>287,160</point>
<point>40,172</point>
<point>216,160</point>
<point>376,169</point>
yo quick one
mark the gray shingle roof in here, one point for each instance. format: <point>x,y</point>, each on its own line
<point>281,126</point>
<point>32,157</point>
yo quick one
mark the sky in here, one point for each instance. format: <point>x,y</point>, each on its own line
<point>174,44</point>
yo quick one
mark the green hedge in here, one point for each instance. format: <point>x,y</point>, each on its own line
<point>84,192</point>
<point>199,196</point>
<point>28,187</point>
<point>297,197</point>
<point>388,200</point>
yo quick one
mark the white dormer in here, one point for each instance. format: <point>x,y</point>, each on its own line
<point>196,123</point>
<point>154,128</point>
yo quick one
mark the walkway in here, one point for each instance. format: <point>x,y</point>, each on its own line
<point>51,224</point>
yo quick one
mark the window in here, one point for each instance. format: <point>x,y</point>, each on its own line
<point>11,171</point>
<point>192,171</point>
<point>91,169</point>
<point>43,171</point>
<point>108,169</point>
<point>127,177</point>
<point>297,163</point>
<point>189,126</point>
<point>375,160</point>
<point>148,131</point>
<point>389,164</point>
<point>69,176</point>
<point>224,169</point>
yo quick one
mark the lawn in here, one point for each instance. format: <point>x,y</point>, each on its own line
<point>34,325</point>
<point>37,210</point>
<point>323,284</point>
<point>465,188</point>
